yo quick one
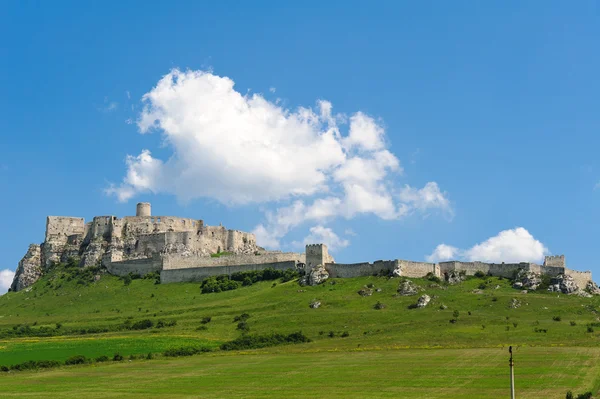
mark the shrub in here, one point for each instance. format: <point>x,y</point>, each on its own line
<point>206,320</point>
<point>162,323</point>
<point>127,279</point>
<point>587,395</point>
<point>117,357</point>
<point>142,324</point>
<point>379,306</point>
<point>243,326</point>
<point>149,356</point>
<point>590,329</point>
<point>556,318</point>
<point>201,328</point>
<point>569,395</point>
<point>331,334</point>
<point>101,359</point>
<point>479,274</point>
<point>494,299</point>
<point>456,313</point>
<point>432,277</point>
<point>345,334</point>
<point>185,351</point>
<point>572,323</point>
<point>77,359</point>
<point>263,341</point>
<point>242,317</point>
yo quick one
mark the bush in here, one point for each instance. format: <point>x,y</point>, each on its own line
<point>263,341</point>
<point>590,329</point>
<point>379,306</point>
<point>102,359</point>
<point>456,313</point>
<point>117,357</point>
<point>127,279</point>
<point>142,324</point>
<point>587,395</point>
<point>331,334</point>
<point>572,323</point>
<point>242,317</point>
<point>77,359</point>
<point>432,277</point>
<point>162,323</point>
<point>243,326</point>
<point>206,320</point>
<point>479,274</point>
<point>185,351</point>
<point>345,334</point>
<point>201,328</point>
<point>569,395</point>
<point>556,318</point>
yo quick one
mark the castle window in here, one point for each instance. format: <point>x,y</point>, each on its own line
<point>158,220</point>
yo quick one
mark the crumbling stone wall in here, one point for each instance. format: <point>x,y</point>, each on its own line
<point>200,273</point>
<point>177,261</point>
<point>555,260</point>
<point>347,270</point>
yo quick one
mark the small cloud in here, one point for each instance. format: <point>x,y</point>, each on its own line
<point>349,232</point>
<point>272,89</point>
<point>108,106</point>
<point>128,94</point>
<point>6,279</point>
<point>129,121</point>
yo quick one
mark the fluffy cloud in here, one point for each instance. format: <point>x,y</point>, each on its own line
<point>241,149</point>
<point>6,278</point>
<point>326,236</point>
<point>510,246</point>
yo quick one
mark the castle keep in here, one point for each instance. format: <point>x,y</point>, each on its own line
<point>182,250</point>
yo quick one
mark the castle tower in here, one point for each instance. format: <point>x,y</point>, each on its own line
<point>556,261</point>
<point>143,209</point>
<point>317,254</point>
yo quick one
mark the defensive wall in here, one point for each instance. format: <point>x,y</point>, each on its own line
<point>346,270</point>
<point>174,262</point>
<point>200,273</point>
<point>135,266</point>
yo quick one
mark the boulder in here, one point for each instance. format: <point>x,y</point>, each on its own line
<point>407,288</point>
<point>518,285</point>
<point>423,301</point>
<point>454,277</point>
<point>365,292</point>
<point>397,272</point>
<point>317,275</point>
<point>315,305</point>
<point>515,303</point>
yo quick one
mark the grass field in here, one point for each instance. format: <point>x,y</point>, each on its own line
<point>392,352</point>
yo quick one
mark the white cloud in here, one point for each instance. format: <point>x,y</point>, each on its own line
<point>272,89</point>
<point>242,148</point>
<point>442,253</point>
<point>321,234</point>
<point>6,278</point>
<point>128,94</point>
<point>510,246</point>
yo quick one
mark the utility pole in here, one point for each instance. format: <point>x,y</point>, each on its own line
<point>512,374</point>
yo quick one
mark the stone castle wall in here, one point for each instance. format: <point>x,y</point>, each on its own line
<point>580,278</point>
<point>418,269</point>
<point>135,266</point>
<point>200,273</point>
<point>178,262</point>
<point>347,270</point>
<point>60,227</point>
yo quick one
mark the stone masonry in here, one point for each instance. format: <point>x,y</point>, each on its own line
<point>180,250</point>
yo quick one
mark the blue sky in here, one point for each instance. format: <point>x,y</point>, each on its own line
<point>384,129</point>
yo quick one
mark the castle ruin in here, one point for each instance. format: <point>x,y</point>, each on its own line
<point>184,250</point>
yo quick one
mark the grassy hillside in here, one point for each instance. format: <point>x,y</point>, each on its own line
<point>356,350</point>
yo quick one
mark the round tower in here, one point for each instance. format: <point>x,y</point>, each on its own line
<point>143,209</point>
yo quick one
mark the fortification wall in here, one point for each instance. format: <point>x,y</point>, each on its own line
<point>580,278</point>
<point>417,269</point>
<point>470,268</point>
<point>148,244</point>
<point>136,225</point>
<point>200,273</point>
<point>552,270</point>
<point>346,270</point>
<point>58,228</point>
<point>177,262</point>
<point>136,266</point>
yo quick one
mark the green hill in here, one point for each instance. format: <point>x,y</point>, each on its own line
<point>454,347</point>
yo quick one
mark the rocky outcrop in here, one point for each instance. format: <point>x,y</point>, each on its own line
<point>29,269</point>
<point>527,279</point>
<point>315,276</point>
<point>397,272</point>
<point>423,301</point>
<point>563,283</point>
<point>315,305</point>
<point>407,288</point>
<point>592,288</point>
<point>454,277</point>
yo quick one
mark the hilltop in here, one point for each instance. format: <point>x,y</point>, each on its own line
<point>71,312</point>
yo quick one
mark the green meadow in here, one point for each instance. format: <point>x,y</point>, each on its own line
<point>356,350</point>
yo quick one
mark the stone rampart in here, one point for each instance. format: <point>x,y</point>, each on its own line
<point>346,270</point>
<point>175,261</point>
<point>135,266</point>
<point>417,269</point>
<point>580,278</point>
<point>200,273</point>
